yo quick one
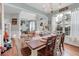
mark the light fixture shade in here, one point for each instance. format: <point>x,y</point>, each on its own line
<point>59,18</point>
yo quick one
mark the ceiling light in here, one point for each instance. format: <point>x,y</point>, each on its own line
<point>48,7</point>
<point>56,19</point>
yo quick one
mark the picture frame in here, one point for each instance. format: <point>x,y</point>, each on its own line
<point>14,21</point>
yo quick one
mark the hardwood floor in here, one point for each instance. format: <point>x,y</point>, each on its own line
<point>69,51</point>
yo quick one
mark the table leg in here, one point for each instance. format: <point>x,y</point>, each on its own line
<point>33,52</point>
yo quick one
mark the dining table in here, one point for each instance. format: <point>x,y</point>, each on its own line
<point>37,43</point>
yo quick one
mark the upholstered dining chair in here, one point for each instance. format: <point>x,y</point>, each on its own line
<point>57,50</point>
<point>0,50</point>
<point>62,40</point>
<point>25,51</point>
<point>18,46</point>
<point>50,46</point>
<point>21,47</point>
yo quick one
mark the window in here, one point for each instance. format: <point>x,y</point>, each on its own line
<point>32,25</point>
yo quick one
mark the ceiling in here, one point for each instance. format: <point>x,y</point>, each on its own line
<point>43,7</point>
<point>8,9</point>
<point>47,7</point>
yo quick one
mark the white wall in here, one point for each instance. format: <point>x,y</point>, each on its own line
<point>45,21</point>
<point>0,22</point>
<point>14,29</point>
<point>0,29</point>
<point>32,16</point>
<point>54,24</point>
<point>75,23</point>
<point>73,39</point>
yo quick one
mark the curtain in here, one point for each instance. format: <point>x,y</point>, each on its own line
<point>75,23</point>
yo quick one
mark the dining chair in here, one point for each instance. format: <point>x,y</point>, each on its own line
<point>0,50</point>
<point>50,46</point>
<point>25,51</point>
<point>57,50</point>
<point>18,46</point>
<point>62,40</point>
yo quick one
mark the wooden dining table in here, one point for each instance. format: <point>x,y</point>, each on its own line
<point>36,44</point>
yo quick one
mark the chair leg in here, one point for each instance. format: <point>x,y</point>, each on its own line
<point>60,50</point>
<point>63,46</point>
